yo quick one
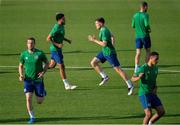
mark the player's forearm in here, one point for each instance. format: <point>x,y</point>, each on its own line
<point>113,40</point>
<point>57,44</point>
<point>20,70</point>
<point>135,78</point>
<point>46,67</point>
<point>101,43</point>
<point>67,40</point>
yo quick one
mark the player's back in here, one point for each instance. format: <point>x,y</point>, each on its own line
<point>140,23</point>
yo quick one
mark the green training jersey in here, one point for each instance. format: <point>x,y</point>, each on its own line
<point>148,81</point>
<point>105,35</point>
<point>140,22</point>
<point>33,63</point>
<point>57,35</point>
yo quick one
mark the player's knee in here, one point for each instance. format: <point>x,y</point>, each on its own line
<point>161,113</point>
<point>29,100</point>
<point>40,101</point>
<point>148,114</point>
<point>61,66</point>
<point>93,63</point>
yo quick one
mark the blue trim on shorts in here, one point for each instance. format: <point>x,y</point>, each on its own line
<point>35,86</point>
<point>150,101</point>
<point>146,42</point>
<point>112,59</point>
<point>57,56</point>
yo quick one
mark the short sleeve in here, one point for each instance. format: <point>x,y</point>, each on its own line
<point>104,36</point>
<point>53,31</point>
<point>21,60</point>
<point>133,23</point>
<point>140,70</point>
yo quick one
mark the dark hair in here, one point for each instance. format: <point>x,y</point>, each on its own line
<point>144,4</point>
<point>101,20</point>
<point>32,38</point>
<point>59,16</point>
<point>154,54</point>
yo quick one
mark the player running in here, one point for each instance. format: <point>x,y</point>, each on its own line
<point>107,41</point>
<point>147,75</point>
<point>56,37</point>
<point>35,63</point>
<point>140,23</point>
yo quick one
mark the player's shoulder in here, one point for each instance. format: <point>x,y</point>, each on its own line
<point>24,52</point>
<point>39,51</point>
<point>105,29</point>
<point>136,14</point>
<point>144,65</point>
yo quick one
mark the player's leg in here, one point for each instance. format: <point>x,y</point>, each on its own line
<point>148,115</point>
<point>95,64</point>
<point>39,91</point>
<point>139,46</point>
<point>29,106</point>
<point>113,60</point>
<point>126,79</point>
<point>160,112</point>
<point>146,104</point>
<point>59,60</point>
<point>148,51</point>
<point>28,90</point>
<point>147,46</point>
<point>52,64</point>
<point>158,107</point>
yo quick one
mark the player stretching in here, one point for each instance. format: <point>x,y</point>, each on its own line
<point>106,40</point>
<point>33,60</point>
<point>140,23</point>
<point>147,75</point>
<point>56,37</point>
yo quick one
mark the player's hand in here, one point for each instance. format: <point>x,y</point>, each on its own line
<point>21,78</point>
<point>91,38</point>
<point>41,74</point>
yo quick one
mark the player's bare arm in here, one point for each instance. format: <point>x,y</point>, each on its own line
<point>44,70</point>
<point>113,39</point>
<point>92,38</point>
<point>67,40</point>
<point>49,38</point>
<point>136,78</point>
<point>21,77</point>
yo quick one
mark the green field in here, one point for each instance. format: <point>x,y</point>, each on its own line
<point>20,19</point>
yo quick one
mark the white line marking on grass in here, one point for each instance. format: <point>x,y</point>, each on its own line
<point>86,67</point>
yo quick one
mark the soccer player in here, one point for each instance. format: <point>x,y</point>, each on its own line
<point>56,37</point>
<point>140,23</point>
<point>35,64</point>
<point>107,41</point>
<point>147,75</point>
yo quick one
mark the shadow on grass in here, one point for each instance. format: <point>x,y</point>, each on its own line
<point>69,52</point>
<point>64,119</point>
<point>6,72</point>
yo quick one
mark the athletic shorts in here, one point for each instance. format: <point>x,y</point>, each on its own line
<point>35,86</point>
<point>140,42</point>
<point>112,59</point>
<point>57,56</point>
<point>150,101</point>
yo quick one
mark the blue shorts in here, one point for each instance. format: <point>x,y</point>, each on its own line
<point>37,86</point>
<point>112,59</point>
<point>57,56</point>
<point>140,42</point>
<point>150,101</point>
